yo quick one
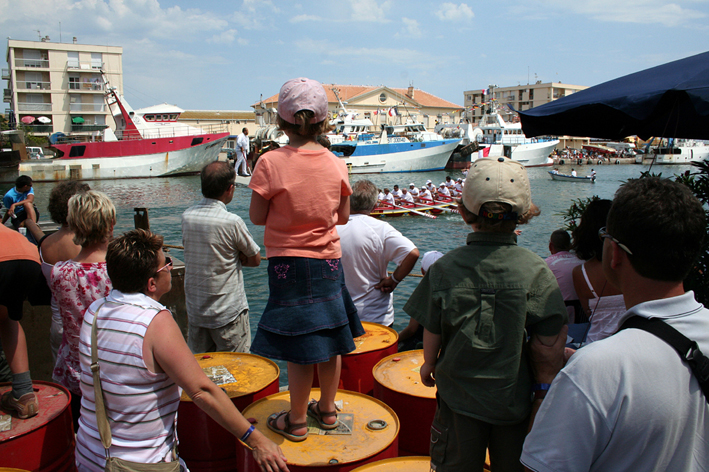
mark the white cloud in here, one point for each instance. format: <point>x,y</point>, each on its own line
<point>369,10</point>
<point>242,41</point>
<point>411,28</point>
<point>452,12</point>
<point>225,37</point>
<point>670,14</point>
<point>302,18</point>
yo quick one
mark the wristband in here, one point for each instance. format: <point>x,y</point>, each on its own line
<point>394,279</point>
<point>540,387</point>
<point>247,434</point>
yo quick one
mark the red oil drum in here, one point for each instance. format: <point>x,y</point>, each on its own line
<point>398,464</point>
<point>44,442</point>
<point>7,469</point>
<point>371,425</point>
<point>397,382</point>
<point>375,344</point>
<point>204,445</point>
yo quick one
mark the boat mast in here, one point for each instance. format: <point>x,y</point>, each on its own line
<point>130,131</point>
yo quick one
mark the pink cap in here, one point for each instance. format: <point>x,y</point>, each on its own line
<point>302,94</point>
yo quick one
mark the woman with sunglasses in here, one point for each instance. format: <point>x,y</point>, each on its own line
<point>76,283</point>
<point>599,298</point>
<point>143,365</point>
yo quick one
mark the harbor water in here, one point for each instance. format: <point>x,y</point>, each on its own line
<point>167,198</point>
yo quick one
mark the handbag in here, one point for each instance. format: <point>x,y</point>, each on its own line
<point>114,464</point>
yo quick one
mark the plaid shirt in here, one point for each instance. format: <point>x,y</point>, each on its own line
<point>214,285</point>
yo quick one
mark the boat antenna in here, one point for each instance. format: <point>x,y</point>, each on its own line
<point>339,101</point>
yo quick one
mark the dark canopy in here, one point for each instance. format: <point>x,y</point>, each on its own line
<point>670,100</point>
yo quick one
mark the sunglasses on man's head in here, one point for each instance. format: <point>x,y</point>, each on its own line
<point>603,234</point>
<point>168,263</point>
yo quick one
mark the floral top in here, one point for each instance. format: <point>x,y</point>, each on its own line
<point>75,286</point>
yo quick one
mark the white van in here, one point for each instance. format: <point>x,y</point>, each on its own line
<point>35,152</point>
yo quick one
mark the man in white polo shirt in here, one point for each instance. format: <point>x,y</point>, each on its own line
<point>368,245</point>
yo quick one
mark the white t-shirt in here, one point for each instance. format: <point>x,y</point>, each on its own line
<point>573,173</point>
<point>414,191</point>
<point>368,245</point>
<point>388,198</point>
<point>450,183</point>
<point>627,402</point>
<point>444,191</point>
<point>242,142</point>
<point>407,197</point>
<point>396,193</point>
<point>425,194</point>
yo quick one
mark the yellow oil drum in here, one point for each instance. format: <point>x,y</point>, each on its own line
<point>398,464</point>
<point>6,469</point>
<point>204,445</point>
<point>375,344</point>
<point>368,432</point>
<point>397,382</point>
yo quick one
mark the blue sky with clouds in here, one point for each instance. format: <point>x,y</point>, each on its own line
<point>216,54</point>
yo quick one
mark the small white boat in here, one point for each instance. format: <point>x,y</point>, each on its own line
<point>679,152</point>
<point>591,179</point>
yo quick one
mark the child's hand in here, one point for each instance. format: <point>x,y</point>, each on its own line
<point>428,374</point>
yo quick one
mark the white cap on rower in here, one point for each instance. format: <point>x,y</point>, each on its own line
<point>428,182</point>
<point>412,185</point>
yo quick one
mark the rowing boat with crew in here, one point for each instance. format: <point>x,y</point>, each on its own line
<point>427,208</point>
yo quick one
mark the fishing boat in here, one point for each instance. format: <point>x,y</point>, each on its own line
<point>148,142</point>
<point>571,178</point>
<point>497,137</point>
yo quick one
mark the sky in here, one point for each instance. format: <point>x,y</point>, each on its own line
<point>224,55</point>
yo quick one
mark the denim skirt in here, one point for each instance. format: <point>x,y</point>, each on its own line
<point>310,316</point>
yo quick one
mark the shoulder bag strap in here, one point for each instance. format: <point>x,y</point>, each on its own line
<point>687,349</point>
<point>104,428</point>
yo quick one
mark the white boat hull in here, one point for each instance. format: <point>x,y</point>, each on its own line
<point>418,158</point>
<point>529,154</point>
<point>686,155</point>
<point>570,178</point>
<point>184,161</point>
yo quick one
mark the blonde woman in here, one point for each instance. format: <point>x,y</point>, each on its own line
<point>78,282</point>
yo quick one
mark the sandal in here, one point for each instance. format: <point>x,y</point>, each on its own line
<point>318,416</point>
<point>286,432</point>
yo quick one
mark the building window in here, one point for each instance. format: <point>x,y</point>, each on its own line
<point>74,82</point>
<point>382,97</point>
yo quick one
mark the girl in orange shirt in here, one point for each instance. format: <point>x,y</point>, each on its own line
<point>300,193</point>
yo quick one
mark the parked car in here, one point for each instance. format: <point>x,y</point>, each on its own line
<point>35,152</point>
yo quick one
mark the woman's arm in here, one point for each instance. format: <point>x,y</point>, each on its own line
<point>258,211</point>
<point>34,230</point>
<point>343,212</point>
<point>165,350</point>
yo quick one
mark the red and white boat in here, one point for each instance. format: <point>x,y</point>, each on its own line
<point>424,208</point>
<point>146,143</point>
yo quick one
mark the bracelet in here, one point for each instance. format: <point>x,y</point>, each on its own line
<point>539,387</point>
<point>394,279</point>
<point>247,433</point>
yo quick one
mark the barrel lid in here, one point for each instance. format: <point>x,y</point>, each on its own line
<point>237,373</point>
<point>367,438</point>
<point>401,372</point>
<point>53,399</point>
<point>404,464</point>
<point>375,338</point>
<point>8,469</point>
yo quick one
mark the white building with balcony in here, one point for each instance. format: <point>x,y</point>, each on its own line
<point>57,87</point>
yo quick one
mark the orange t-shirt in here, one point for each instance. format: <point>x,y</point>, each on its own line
<point>14,246</point>
<point>304,189</point>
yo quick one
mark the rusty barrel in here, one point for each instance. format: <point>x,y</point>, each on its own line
<point>397,382</point>
<point>43,443</point>
<point>398,464</point>
<point>368,432</point>
<point>375,344</point>
<point>204,445</point>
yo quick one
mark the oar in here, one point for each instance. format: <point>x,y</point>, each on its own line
<point>439,207</point>
<point>420,213</point>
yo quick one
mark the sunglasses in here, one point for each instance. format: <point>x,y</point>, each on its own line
<point>603,234</point>
<point>168,263</point>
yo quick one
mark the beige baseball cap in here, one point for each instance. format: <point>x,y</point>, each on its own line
<point>497,179</point>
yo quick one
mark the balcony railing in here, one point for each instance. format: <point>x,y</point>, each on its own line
<point>95,107</point>
<point>38,128</point>
<point>86,86</point>
<point>25,85</point>
<point>85,127</point>
<point>25,106</point>
<point>6,95</point>
<point>6,74</point>
<point>84,65</point>
<point>37,63</point>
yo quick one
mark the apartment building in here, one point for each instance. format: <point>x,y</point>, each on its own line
<point>58,87</point>
<point>520,97</point>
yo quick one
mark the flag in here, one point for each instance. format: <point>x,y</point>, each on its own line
<point>393,111</point>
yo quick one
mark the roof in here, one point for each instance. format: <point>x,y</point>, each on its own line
<point>350,92</point>
<point>218,115</point>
